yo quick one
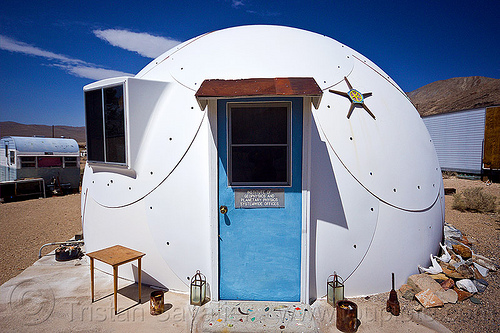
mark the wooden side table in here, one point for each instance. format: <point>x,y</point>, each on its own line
<point>115,256</point>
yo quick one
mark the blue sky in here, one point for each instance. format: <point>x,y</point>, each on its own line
<point>50,49</point>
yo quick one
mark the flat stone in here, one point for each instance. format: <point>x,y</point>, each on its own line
<point>475,300</point>
<point>462,250</point>
<point>466,241</point>
<point>421,282</point>
<point>440,276</point>
<point>405,288</point>
<point>451,232</point>
<point>407,292</point>
<point>453,256</point>
<point>447,284</point>
<point>485,262</point>
<point>428,299</point>
<point>466,284</point>
<point>447,296</point>
<point>462,294</point>
<point>465,271</point>
<point>452,272</point>
<point>483,271</point>
<point>480,285</point>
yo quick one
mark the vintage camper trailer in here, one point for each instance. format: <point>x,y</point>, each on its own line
<point>467,141</point>
<point>55,160</point>
<point>266,157</point>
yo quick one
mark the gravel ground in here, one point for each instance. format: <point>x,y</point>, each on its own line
<point>27,225</point>
<point>483,230</point>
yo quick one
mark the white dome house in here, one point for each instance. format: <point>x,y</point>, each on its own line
<point>266,157</point>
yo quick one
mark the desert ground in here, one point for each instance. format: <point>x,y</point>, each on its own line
<point>27,225</point>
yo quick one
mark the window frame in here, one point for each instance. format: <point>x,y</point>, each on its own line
<point>26,162</point>
<point>12,157</point>
<point>104,142</point>
<point>229,145</point>
<point>69,159</point>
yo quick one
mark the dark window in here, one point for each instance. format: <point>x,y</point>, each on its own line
<point>12,157</point>
<point>94,125</point>
<point>28,162</point>
<point>115,124</point>
<point>70,162</point>
<point>259,144</point>
<point>49,162</point>
<point>105,121</point>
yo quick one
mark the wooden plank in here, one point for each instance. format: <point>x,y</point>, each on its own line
<point>491,156</point>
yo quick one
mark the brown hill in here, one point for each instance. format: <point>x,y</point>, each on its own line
<point>10,128</point>
<point>460,93</point>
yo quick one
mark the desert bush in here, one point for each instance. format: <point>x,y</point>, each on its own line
<point>475,200</point>
<point>448,174</point>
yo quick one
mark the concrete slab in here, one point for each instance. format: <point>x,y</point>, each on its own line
<point>53,296</point>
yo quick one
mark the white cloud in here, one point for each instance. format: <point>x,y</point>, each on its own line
<point>237,3</point>
<point>146,45</point>
<point>75,67</point>
<point>92,72</point>
<point>13,45</point>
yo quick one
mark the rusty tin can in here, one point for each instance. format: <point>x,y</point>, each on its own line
<point>347,316</point>
<point>156,302</point>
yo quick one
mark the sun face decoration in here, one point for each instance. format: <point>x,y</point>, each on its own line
<point>355,97</point>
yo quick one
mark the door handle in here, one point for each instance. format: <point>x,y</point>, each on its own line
<point>223,209</point>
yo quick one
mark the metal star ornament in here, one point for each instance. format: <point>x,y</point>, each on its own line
<point>355,97</point>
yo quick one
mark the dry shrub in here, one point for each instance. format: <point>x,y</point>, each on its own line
<point>475,200</point>
<point>448,174</point>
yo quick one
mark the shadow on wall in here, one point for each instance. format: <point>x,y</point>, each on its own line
<point>147,279</point>
<point>326,204</point>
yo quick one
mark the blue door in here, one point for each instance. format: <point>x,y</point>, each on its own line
<point>260,198</point>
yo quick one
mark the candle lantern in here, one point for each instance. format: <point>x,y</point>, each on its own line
<point>198,291</point>
<point>334,289</point>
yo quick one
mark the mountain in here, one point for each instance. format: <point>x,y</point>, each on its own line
<point>460,93</point>
<point>10,128</point>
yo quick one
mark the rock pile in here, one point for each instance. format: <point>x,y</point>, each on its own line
<point>453,277</point>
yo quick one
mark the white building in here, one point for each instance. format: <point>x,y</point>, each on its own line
<point>266,157</point>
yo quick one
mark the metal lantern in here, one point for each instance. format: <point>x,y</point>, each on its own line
<point>198,289</point>
<point>334,289</point>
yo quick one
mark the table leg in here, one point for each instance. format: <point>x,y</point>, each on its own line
<point>92,278</point>
<point>140,272</point>
<point>115,285</point>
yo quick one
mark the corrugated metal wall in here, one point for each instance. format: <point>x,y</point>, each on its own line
<point>458,138</point>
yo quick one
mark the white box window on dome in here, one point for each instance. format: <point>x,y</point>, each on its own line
<point>105,125</point>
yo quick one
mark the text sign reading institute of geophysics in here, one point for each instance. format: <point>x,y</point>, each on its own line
<point>268,198</point>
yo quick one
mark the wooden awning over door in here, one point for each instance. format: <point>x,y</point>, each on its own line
<point>261,87</point>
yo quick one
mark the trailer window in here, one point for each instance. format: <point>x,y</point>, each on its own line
<point>49,162</point>
<point>105,125</point>
<point>28,162</point>
<point>12,157</point>
<point>70,162</point>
